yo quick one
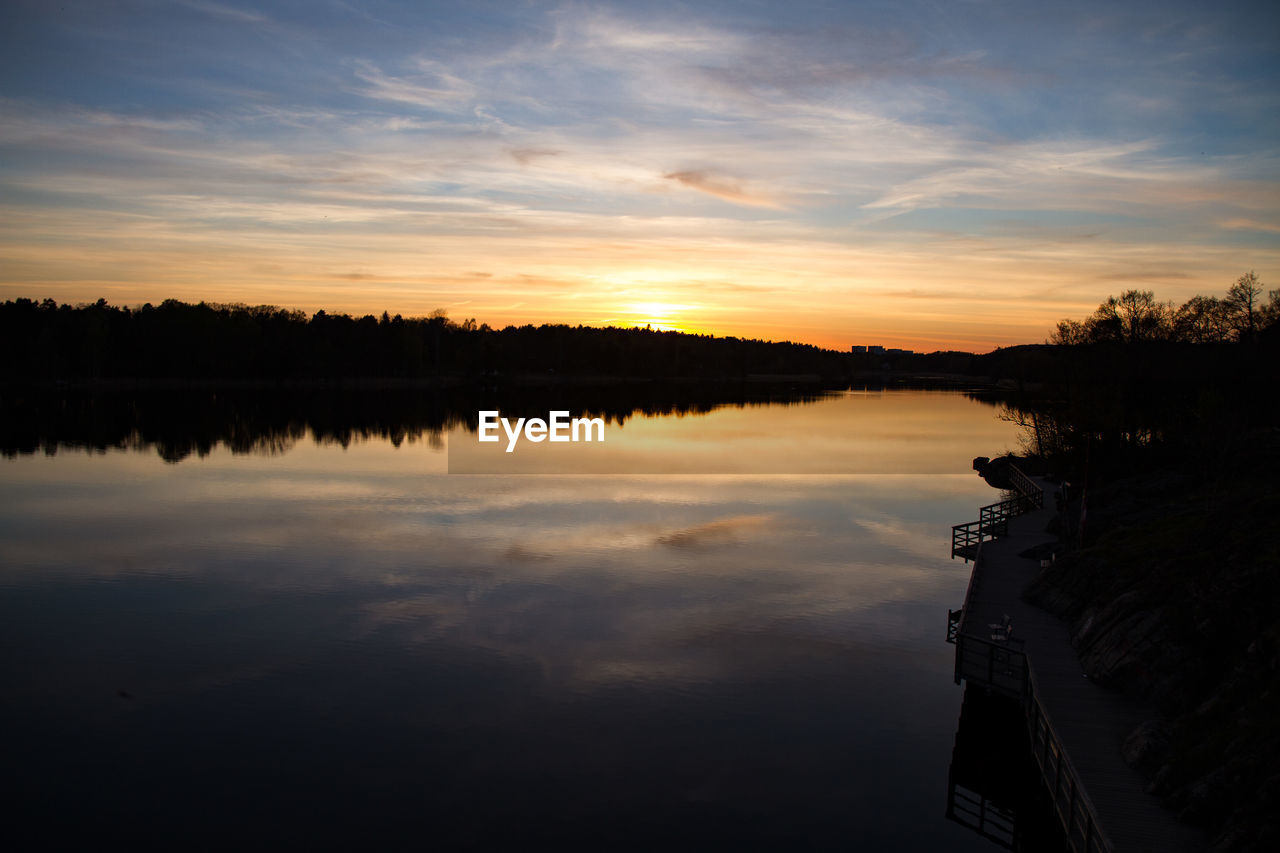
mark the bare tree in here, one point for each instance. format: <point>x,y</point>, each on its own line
<point>1142,318</point>
<point>1269,314</point>
<point>1136,316</point>
<point>1202,320</point>
<point>1132,317</point>
<point>1242,300</point>
<point>1070,332</point>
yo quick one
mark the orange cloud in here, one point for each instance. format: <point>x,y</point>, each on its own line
<point>720,187</point>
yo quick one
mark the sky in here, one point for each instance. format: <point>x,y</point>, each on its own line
<point>929,175</point>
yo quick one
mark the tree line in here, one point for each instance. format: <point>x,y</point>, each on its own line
<point>1142,382</point>
<point>176,340</point>
<point>1136,316</point>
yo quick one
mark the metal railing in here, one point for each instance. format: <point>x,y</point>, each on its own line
<point>958,624</point>
<point>1002,665</point>
<point>1026,487</point>
<point>999,665</point>
<point>1071,804</point>
<point>993,519</point>
<point>965,539</point>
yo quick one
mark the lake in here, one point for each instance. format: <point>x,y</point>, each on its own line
<point>322,638</point>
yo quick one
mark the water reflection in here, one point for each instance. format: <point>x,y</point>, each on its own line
<point>993,786</point>
<point>182,422</point>
<point>849,432</point>
<point>340,646</point>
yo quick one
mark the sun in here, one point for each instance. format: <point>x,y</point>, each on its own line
<point>663,316</point>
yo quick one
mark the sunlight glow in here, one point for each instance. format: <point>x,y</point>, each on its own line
<point>661,316</point>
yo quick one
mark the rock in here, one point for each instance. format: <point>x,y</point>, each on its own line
<point>1202,797</point>
<point>1147,746</point>
<point>996,472</point>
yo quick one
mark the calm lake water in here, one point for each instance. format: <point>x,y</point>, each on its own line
<point>328,645</point>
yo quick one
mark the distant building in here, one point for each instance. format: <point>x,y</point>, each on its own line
<point>876,349</point>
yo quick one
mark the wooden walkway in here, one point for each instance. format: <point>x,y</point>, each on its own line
<point>1090,782</point>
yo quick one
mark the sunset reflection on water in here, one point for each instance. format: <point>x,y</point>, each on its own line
<point>848,432</point>
<point>326,640</point>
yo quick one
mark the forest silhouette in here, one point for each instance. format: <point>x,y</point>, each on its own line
<point>45,340</point>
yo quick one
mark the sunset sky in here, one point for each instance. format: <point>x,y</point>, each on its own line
<point>931,175</point>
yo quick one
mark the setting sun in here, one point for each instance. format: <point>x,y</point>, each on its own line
<point>662,316</point>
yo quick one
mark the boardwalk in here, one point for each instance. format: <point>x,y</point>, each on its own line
<point>1090,722</point>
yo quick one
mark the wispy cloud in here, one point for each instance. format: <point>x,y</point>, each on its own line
<point>1241,224</point>
<point>223,10</point>
<point>430,84</point>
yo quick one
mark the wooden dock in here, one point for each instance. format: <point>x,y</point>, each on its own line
<point>1077,727</point>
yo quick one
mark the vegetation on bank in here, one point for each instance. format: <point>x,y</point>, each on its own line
<point>1172,573</point>
<point>1141,383</point>
<point>45,341</point>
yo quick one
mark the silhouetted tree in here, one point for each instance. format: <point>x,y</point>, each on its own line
<point>1133,317</point>
<point>1269,313</point>
<point>1071,333</point>
<point>176,340</point>
<point>1137,317</point>
<point>1242,302</point>
<point>1203,320</point>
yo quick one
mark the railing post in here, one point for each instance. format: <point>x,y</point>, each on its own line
<point>1071,805</point>
<point>1048,735</point>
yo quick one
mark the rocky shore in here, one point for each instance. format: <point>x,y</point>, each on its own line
<point>1170,583</point>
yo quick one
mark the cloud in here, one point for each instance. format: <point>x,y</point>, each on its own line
<point>222,10</point>
<point>720,187</point>
<point>1241,224</point>
<point>1145,275</point>
<point>607,35</point>
<point>432,85</point>
<point>525,156</point>
<point>1034,175</point>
